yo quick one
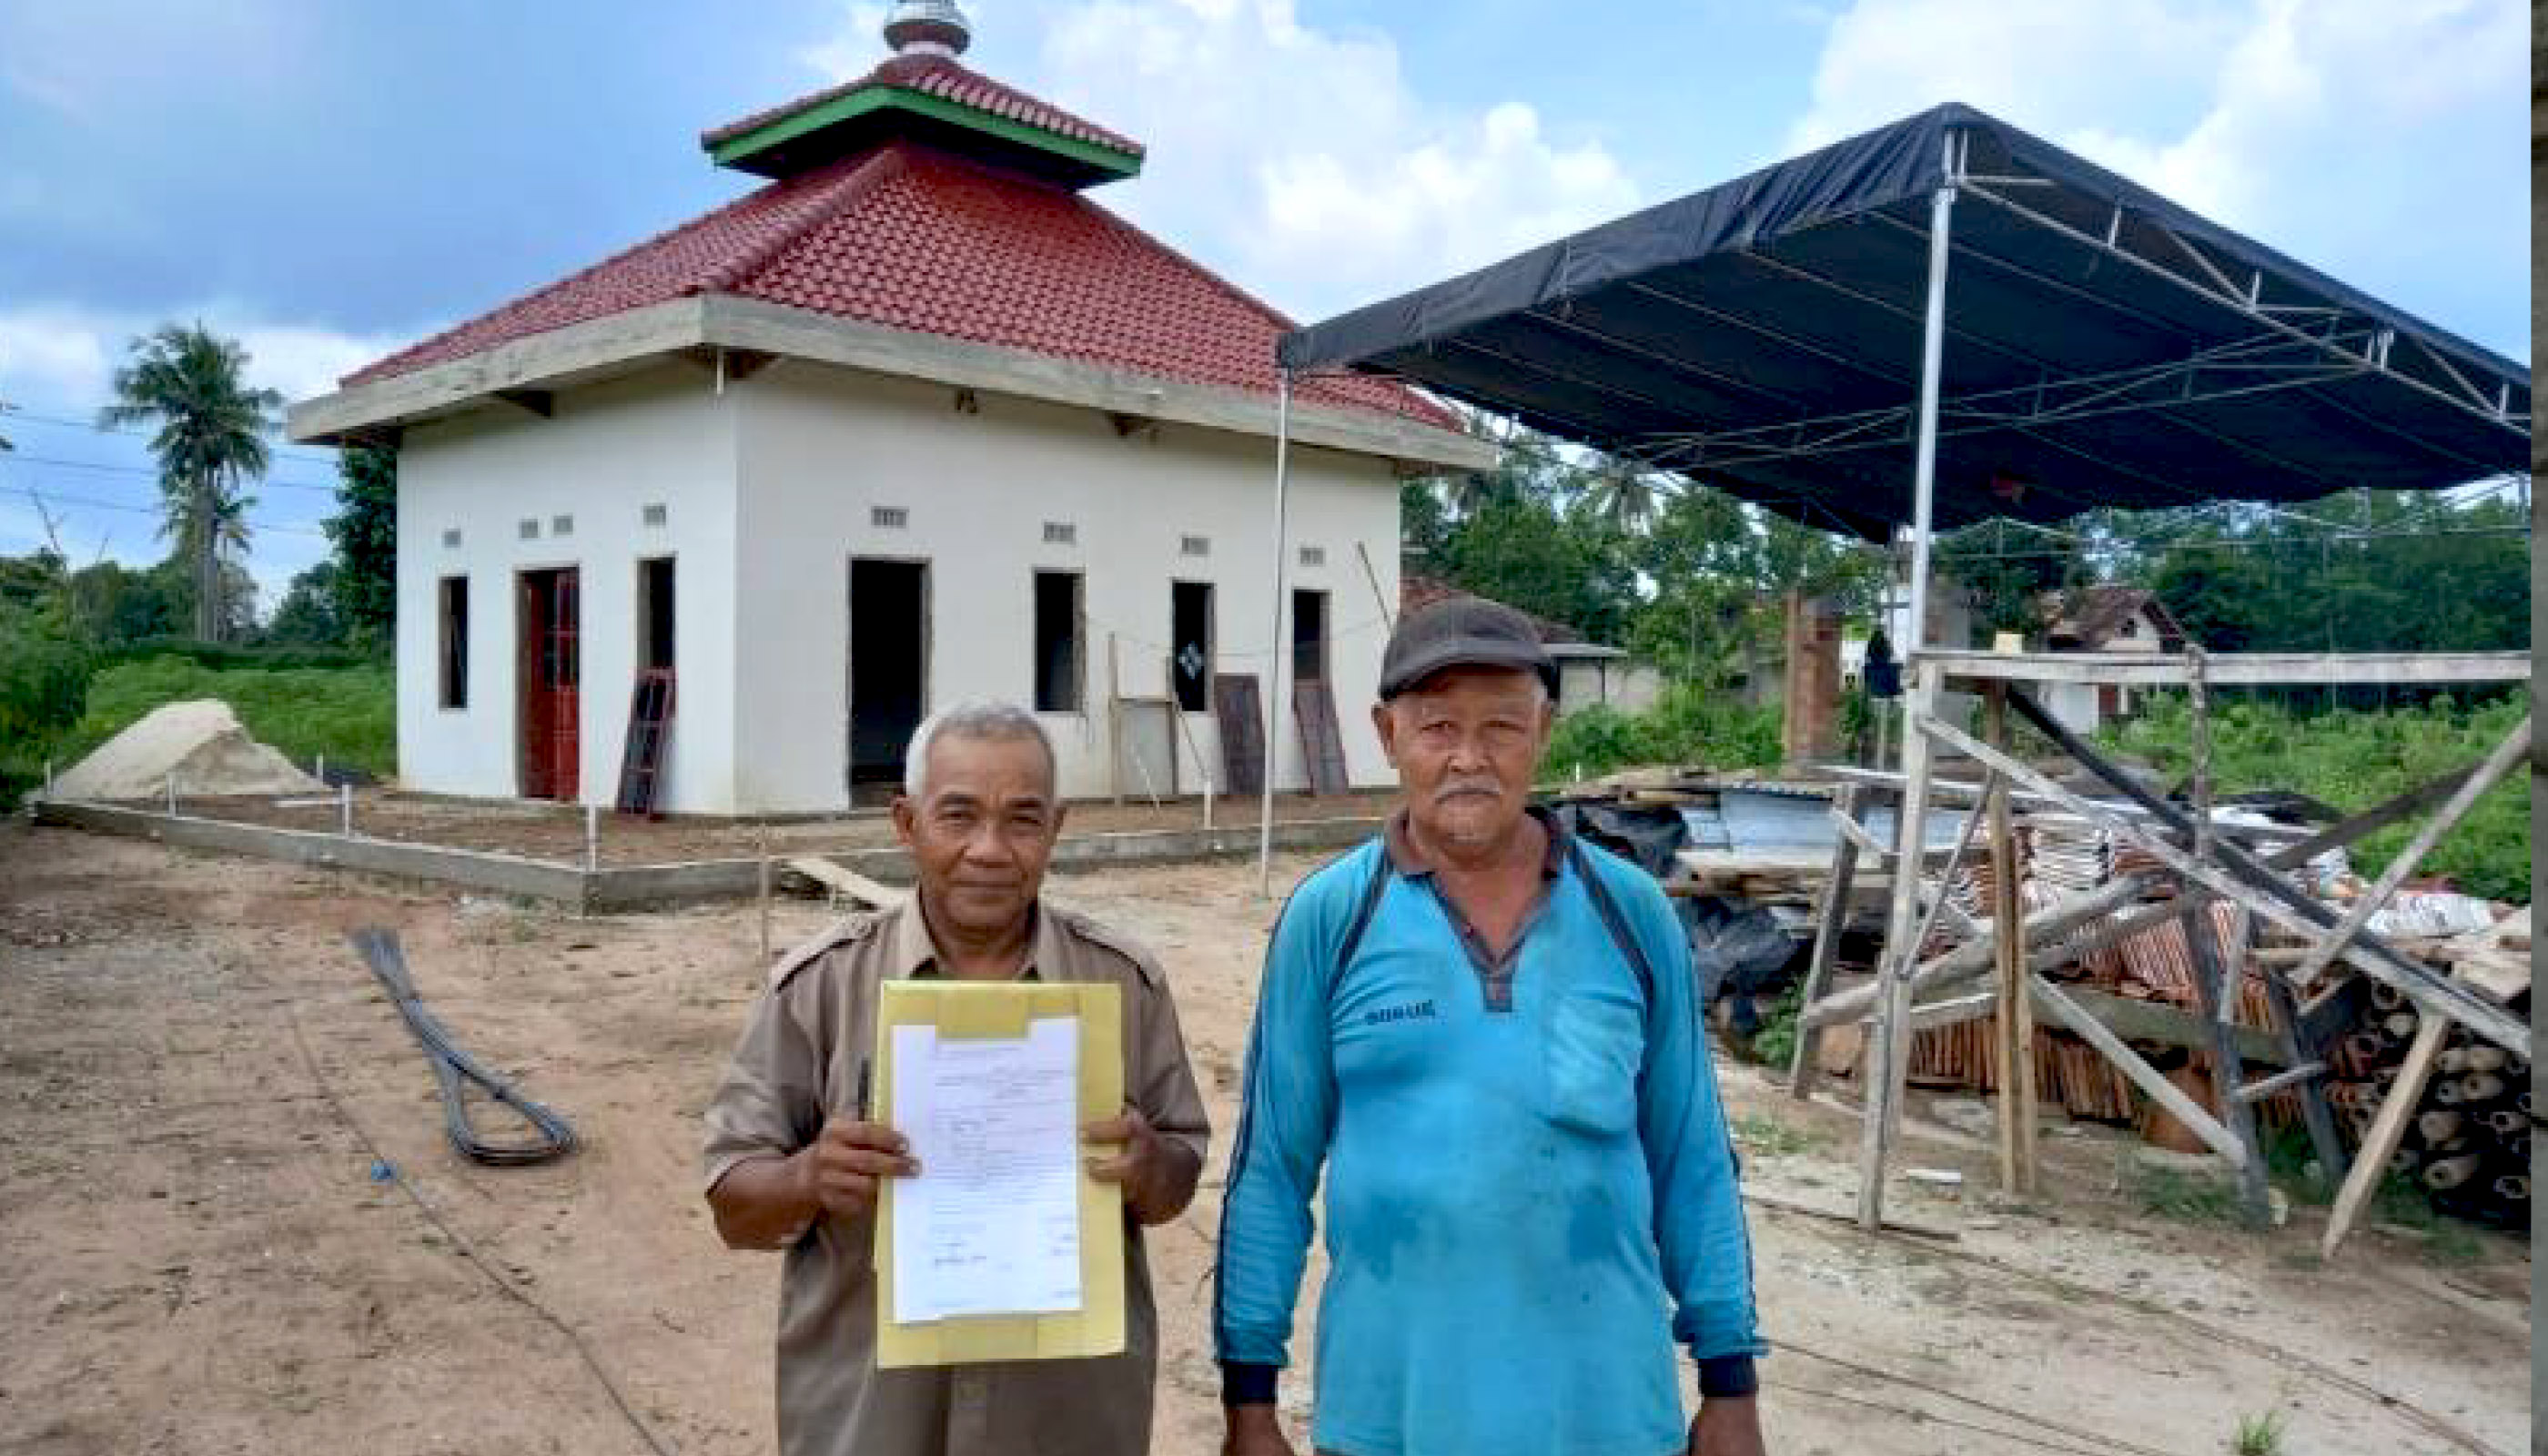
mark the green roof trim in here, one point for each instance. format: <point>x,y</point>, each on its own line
<point>870,99</point>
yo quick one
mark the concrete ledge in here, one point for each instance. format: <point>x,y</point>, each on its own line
<point>639,886</point>
<point>508,875</point>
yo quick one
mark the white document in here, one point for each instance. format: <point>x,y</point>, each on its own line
<point>991,1225</point>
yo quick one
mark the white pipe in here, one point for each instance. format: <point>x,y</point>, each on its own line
<point>345,809</point>
<point>1933,336</point>
<point>1274,676</point>
<point>591,838</point>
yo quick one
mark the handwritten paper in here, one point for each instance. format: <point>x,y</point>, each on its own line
<point>991,1225</point>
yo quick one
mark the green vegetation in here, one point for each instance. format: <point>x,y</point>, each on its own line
<point>1770,1138</point>
<point>2259,1436</point>
<point>1689,724</point>
<point>2190,1198</point>
<point>2354,760</point>
<point>1774,1043</point>
<point>350,714</point>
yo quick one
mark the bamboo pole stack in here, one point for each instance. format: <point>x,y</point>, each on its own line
<point>2469,1142</point>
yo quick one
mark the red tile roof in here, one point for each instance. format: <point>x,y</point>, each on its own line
<point>911,237</point>
<point>949,80</point>
<point>1417,591</point>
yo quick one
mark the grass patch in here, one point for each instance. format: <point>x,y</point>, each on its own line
<point>348,714</point>
<point>2402,1203</point>
<point>2188,1197</point>
<point>1770,1138</point>
<point>1774,1043</point>
<point>2259,1436</point>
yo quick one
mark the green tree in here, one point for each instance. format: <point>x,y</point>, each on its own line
<point>308,614</point>
<point>363,584</point>
<point>209,441</point>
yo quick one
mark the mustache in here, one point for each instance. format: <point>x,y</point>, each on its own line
<point>1462,786</point>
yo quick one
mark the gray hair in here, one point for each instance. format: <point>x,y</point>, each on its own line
<point>984,719</point>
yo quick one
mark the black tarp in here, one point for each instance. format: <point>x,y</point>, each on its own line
<point>2104,345</point>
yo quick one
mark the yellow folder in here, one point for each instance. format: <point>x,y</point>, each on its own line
<point>977,1009</point>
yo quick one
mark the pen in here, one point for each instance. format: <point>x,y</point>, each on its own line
<point>864,1088</point>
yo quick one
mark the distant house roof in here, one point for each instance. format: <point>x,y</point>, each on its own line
<point>1415,592</point>
<point>2092,617</point>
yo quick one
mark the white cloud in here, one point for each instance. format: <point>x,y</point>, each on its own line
<point>1299,161</point>
<point>62,357</point>
<point>2271,115</point>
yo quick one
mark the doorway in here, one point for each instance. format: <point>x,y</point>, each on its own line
<point>551,680</point>
<point>888,671</point>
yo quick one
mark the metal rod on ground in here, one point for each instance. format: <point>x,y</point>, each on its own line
<point>1277,658</point>
<point>592,839</point>
<point>345,810</point>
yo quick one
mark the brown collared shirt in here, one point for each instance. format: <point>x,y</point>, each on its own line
<point>802,1059</point>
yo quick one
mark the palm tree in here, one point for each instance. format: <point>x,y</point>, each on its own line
<point>210,438</point>
<point>1623,497</point>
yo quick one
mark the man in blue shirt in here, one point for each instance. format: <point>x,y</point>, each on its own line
<point>1487,1033</point>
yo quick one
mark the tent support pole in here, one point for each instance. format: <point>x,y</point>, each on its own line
<point>1279,659</point>
<point>1890,1043</point>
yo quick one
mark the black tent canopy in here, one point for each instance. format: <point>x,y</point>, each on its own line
<point>2101,346</point>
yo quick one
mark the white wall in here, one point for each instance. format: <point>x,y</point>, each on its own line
<point>1619,682</point>
<point>609,451</point>
<point>820,448</point>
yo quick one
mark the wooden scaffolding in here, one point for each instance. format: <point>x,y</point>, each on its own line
<point>2181,849</point>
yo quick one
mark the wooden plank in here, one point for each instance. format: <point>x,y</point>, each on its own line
<point>2058,1004</point>
<point>849,885</point>
<point>2512,750</point>
<point>2153,1023</point>
<point>2242,879</point>
<point>2214,993</point>
<point>1978,955</point>
<point>2235,668</point>
<point>2015,1019</point>
<point>1889,1047</point>
<point>1242,732</point>
<point>1322,749</point>
<point>2281,1081</point>
<point>1806,1064</point>
<point>2371,1160</point>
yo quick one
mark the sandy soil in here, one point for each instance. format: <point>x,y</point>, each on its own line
<point>547,832</point>
<point>196,1256</point>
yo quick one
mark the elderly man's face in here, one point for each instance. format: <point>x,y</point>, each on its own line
<point>982,829</point>
<point>1465,743</point>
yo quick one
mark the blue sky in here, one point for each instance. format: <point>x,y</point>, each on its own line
<point>329,179</point>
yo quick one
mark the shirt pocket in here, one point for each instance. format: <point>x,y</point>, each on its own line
<point>1594,1047</point>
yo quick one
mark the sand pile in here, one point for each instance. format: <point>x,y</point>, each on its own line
<point>201,743</point>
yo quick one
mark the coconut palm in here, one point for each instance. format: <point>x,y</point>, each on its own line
<point>211,440</point>
<point>1623,498</point>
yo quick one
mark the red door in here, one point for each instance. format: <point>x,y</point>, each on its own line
<point>550,673</point>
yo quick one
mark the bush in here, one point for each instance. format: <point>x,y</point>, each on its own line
<point>2354,760</point>
<point>44,687</point>
<point>348,714</point>
<point>1688,724</point>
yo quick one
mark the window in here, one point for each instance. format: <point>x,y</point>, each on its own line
<point>1313,556</point>
<point>453,601</point>
<point>655,612</point>
<point>450,538</point>
<point>561,525</point>
<point>1309,636</point>
<point>1060,533</point>
<point>1194,546</point>
<point>530,528</point>
<point>888,517</point>
<point>1189,644</point>
<point>657,514</point>
<point>1056,641</point>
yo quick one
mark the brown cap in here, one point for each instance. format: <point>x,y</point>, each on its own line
<point>1462,632</point>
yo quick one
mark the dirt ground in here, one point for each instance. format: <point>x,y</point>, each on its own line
<point>549,832</point>
<point>197,1256</point>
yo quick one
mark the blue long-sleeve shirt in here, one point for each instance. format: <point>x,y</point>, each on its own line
<point>1530,1190</point>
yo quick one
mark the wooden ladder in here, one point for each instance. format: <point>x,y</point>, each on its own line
<point>649,721</point>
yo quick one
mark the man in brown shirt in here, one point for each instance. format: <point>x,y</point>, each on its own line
<point>792,1163</point>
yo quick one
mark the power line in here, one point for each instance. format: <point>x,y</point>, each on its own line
<point>15,413</point>
<point>106,469</point>
<point>53,498</point>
